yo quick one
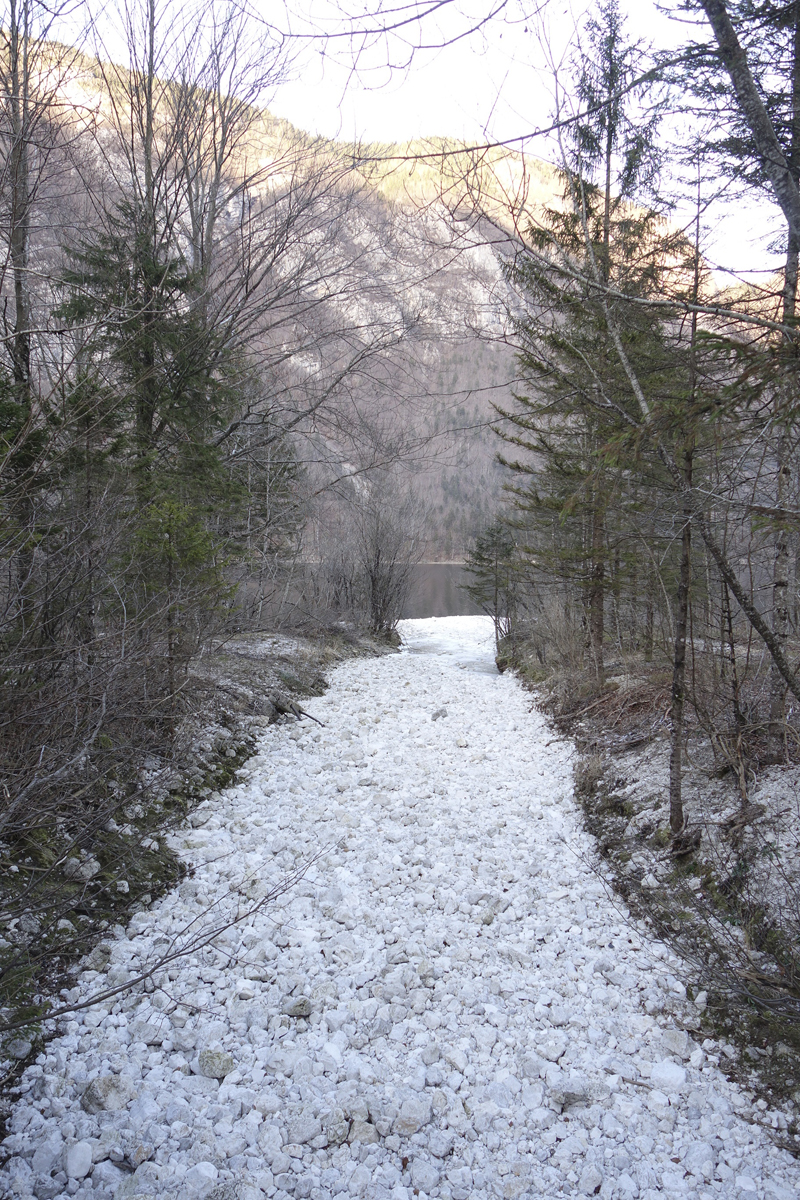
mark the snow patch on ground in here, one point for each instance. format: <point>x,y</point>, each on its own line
<point>450,1004</point>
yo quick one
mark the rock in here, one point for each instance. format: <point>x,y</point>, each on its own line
<point>336,1128</point>
<point>359,1182</point>
<point>18,1048</point>
<point>143,1111</point>
<point>414,1113</point>
<point>199,1179</point>
<point>382,1113</point>
<point>78,1160</point>
<point>700,1159</point>
<point>143,1182</point>
<point>440,712</point>
<point>147,1032</point>
<point>626,1187</point>
<point>199,1085</point>
<point>47,1155</point>
<point>668,1076</point>
<point>777,1191</point>
<point>140,1152</point>
<point>531,1066</point>
<point>215,1064</point>
<point>75,868</point>
<point>569,1147</point>
<point>424,1175</point>
<point>485,1038</point>
<point>569,1089</point>
<point>107,1175</point>
<point>678,1042</point>
<point>492,1038</point>
<point>302,1128</point>
<point>456,1058</point>
<point>331,1054</point>
<point>270,1142</point>
<point>108,1093</point>
<point>460,1180</point>
<point>440,1143</point>
<point>298,1007</point>
<point>552,1046</point>
<point>658,1102</point>
<point>237,1189</point>
<point>557,1016</point>
<point>363,1131</point>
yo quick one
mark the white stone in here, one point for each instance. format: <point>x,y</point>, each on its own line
<point>200,1179</point>
<point>424,1175</point>
<point>440,1142</point>
<point>456,1057</point>
<point>626,1187</point>
<point>333,1052</point>
<point>673,1182</point>
<point>414,1113</point>
<point>78,1160</point>
<point>359,1181</point>
<point>303,1128</point>
<point>107,1175</point>
<point>668,1076</point>
<point>270,1142</point>
<point>677,1041</point>
<point>590,1180</point>
<point>552,1047</point>
<point>48,1154</point>
<point>149,1032</point>
<point>700,1159</point>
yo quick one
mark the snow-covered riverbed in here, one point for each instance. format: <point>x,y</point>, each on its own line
<point>449,1004</point>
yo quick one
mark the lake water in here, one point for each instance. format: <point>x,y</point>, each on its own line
<point>435,592</point>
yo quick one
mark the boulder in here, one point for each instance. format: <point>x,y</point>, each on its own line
<point>415,1111</point>
<point>215,1064</point>
<point>78,1160</point>
<point>303,1127</point>
<point>363,1131</point>
<point>108,1093</point>
<point>424,1175</point>
<point>299,1006</point>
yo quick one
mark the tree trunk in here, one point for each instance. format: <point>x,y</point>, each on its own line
<point>755,114</point>
<point>18,238</point>
<point>597,590</point>
<point>649,614</point>
<point>780,566</point>
<point>676,816</point>
<point>780,607</point>
<point>737,752</point>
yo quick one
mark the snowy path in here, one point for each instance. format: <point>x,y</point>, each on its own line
<point>448,1005</point>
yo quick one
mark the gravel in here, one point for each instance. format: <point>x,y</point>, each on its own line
<point>449,1003</point>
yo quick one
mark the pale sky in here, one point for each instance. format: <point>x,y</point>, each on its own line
<point>495,82</point>
<point>493,85</point>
